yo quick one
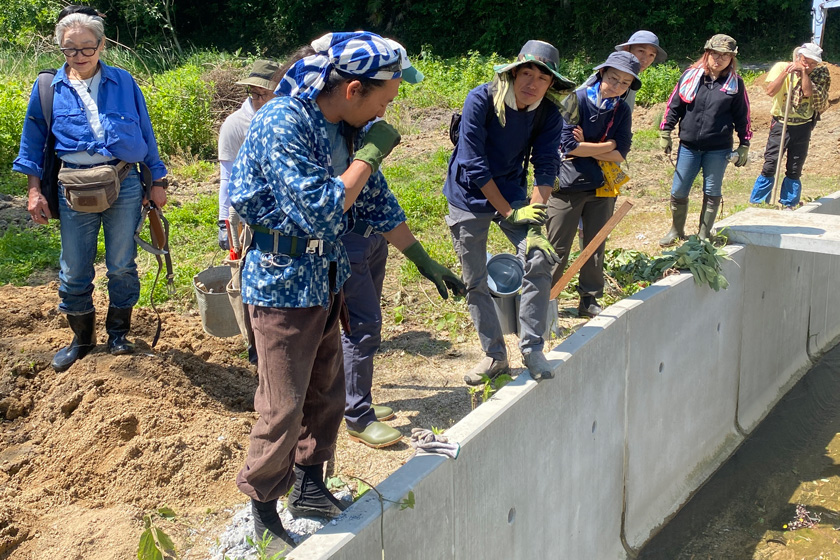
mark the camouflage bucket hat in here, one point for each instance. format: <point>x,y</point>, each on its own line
<point>543,54</point>
<point>722,43</point>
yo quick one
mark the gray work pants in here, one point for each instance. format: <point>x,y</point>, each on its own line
<point>469,236</point>
<point>565,211</point>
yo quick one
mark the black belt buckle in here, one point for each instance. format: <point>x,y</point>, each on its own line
<point>315,246</point>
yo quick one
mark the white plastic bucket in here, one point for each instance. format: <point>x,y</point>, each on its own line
<point>217,316</point>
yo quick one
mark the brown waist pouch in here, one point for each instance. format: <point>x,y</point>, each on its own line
<point>93,189</point>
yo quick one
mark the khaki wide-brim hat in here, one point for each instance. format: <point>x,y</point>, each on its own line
<point>261,75</point>
<point>542,54</point>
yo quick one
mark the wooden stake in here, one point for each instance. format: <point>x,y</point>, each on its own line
<point>590,249</point>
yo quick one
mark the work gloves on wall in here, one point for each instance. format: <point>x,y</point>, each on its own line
<point>536,240</point>
<point>533,214</point>
<point>378,142</point>
<point>441,276</point>
<point>665,141</point>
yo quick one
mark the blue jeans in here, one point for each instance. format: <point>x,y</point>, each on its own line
<point>79,232</point>
<point>689,163</point>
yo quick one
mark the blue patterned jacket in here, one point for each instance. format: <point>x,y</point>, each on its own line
<point>283,179</point>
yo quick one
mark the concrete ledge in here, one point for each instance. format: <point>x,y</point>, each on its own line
<point>800,231</point>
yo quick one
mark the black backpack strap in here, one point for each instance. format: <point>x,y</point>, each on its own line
<point>49,178</point>
<point>46,92</point>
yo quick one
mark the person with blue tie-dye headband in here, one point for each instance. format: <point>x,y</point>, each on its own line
<point>306,161</point>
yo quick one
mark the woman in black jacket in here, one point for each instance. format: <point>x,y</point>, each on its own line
<point>709,102</point>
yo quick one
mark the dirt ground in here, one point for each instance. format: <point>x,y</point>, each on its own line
<point>85,453</point>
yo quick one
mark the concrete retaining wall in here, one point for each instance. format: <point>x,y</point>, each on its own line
<point>648,400</point>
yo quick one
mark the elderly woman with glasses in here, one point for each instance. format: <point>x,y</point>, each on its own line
<point>602,135</point>
<point>709,102</point>
<point>99,118</point>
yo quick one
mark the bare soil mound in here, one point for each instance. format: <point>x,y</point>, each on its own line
<point>129,433</point>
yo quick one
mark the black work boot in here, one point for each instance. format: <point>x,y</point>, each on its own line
<point>117,325</point>
<point>310,496</point>
<point>84,340</point>
<point>267,524</point>
<point>679,211</point>
<point>708,213</point>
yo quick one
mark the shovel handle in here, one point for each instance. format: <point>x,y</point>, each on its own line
<point>590,249</point>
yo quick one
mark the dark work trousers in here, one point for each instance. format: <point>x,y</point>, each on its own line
<point>299,397</point>
<point>796,148</point>
<point>565,211</point>
<point>362,292</point>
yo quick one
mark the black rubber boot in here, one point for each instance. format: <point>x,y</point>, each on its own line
<point>679,211</point>
<point>117,325</point>
<point>267,524</point>
<point>310,496</point>
<point>708,213</point>
<point>84,340</point>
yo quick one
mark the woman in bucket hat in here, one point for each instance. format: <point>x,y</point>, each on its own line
<point>644,45</point>
<point>809,97</point>
<point>709,102</point>
<point>503,122</point>
<point>603,134</point>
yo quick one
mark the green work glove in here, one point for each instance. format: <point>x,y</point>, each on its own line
<point>743,152</point>
<point>665,141</point>
<point>536,240</point>
<point>531,214</point>
<point>380,139</point>
<point>441,276</point>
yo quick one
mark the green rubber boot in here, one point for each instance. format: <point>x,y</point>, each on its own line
<point>711,204</point>
<point>679,211</point>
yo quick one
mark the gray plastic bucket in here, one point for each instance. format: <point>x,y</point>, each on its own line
<point>217,316</point>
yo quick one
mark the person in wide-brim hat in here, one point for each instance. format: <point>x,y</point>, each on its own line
<point>542,54</point>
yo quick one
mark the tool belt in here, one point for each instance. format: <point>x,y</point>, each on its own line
<point>361,227</point>
<point>272,241</point>
<point>92,188</point>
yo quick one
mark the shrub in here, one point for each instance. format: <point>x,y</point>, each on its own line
<point>179,107</point>
<point>658,82</point>
<point>14,96</point>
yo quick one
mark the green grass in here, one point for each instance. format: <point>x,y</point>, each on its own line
<point>24,252</point>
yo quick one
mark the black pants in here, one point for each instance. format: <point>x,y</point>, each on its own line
<point>797,138</point>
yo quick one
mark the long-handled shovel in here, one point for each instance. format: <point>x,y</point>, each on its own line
<point>782,143</point>
<point>590,249</point>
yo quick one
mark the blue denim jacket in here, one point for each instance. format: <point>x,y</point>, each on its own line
<point>283,179</point>
<point>122,111</point>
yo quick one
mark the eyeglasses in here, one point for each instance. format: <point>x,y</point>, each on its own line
<point>719,55</point>
<point>254,94</point>
<point>87,51</point>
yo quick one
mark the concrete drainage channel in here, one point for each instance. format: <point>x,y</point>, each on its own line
<point>743,510</point>
<point>650,399</point>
